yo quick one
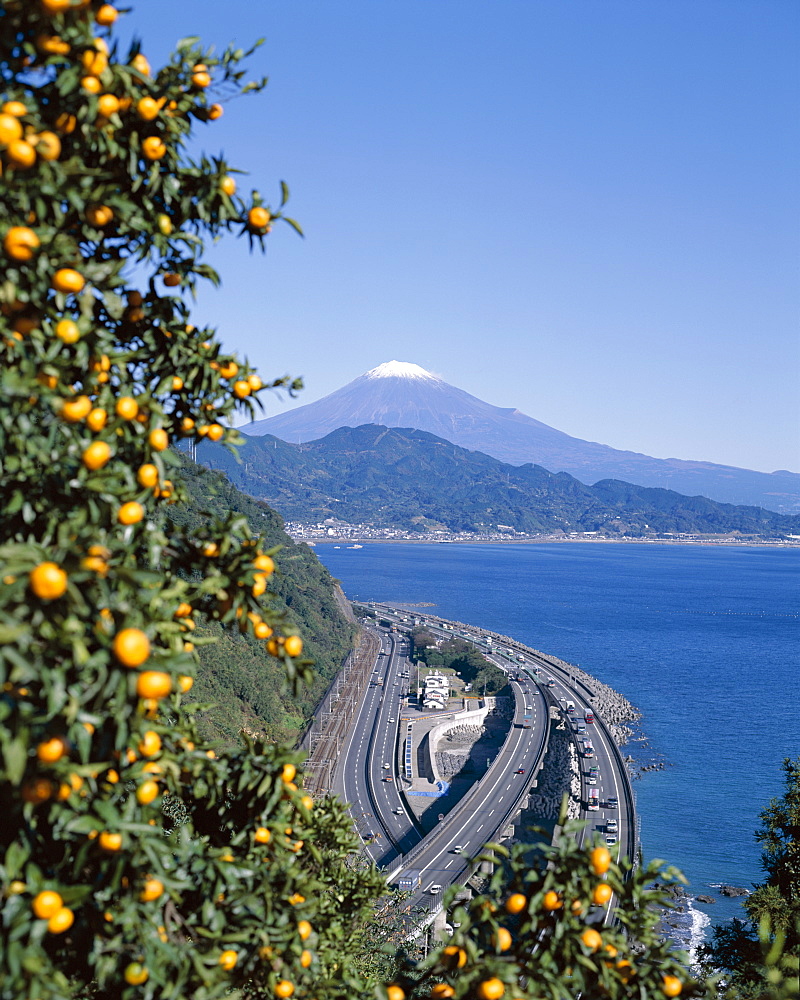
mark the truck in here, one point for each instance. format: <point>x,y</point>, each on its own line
<point>526,722</point>
<point>410,880</point>
<point>594,799</point>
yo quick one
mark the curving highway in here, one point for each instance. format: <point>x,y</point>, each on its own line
<point>370,774</point>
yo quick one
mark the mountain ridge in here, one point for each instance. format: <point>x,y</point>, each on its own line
<point>394,394</point>
<point>402,477</point>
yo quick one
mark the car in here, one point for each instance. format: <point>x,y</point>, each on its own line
<point>386,767</point>
<point>458,848</point>
<point>520,770</point>
<point>610,840</point>
<point>611,802</point>
<point>398,811</point>
<point>591,779</point>
<point>434,889</point>
<point>391,720</point>
<point>388,777</point>
<point>611,826</point>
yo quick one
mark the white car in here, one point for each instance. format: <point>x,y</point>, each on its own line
<point>386,767</point>
<point>435,889</point>
<point>391,720</point>
<point>611,826</point>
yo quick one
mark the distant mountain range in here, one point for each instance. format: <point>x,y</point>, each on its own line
<point>400,394</point>
<point>395,477</point>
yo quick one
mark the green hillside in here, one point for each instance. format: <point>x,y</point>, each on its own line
<point>245,683</point>
<point>397,477</point>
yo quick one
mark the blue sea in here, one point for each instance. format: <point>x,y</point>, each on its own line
<point>702,639</point>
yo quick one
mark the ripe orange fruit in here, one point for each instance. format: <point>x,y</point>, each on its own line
<point>304,929</point>
<point>516,903</point>
<point>99,215</point>
<point>502,939</point>
<point>491,989</point>
<point>150,744</point>
<point>48,581</point>
<point>56,6</point>
<point>153,684</point>
<point>255,383</point>
<point>107,15</point>
<point>135,974</point>
<point>158,439</point>
<point>283,988</point>
<point>37,790</point>
<point>228,186</point>
<point>53,45</point>
<point>109,841</point>
<point>107,105</point>
<point>61,921</point>
<point>201,79</point>
<point>215,111</point>
<point>153,148</point>
<point>455,957</point>
<point>94,62</point>
<point>672,986</point>
<point>288,772</point>
<point>229,370</point>
<point>262,835</point>
<point>258,219</point>
<point>140,63</point>
<point>96,455</point>
<point>15,108</point>
<point>147,108</point>
<point>395,993</point>
<point>215,431</point>
<point>46,903</point>
<point>152,889</point>
<point>20,154</point>
<point>96,420</point>
<point>131,647</point>
<point>130,513</point>
<point>20,243</point>
<point>171,279</point>
<point>185,682</point>
<point>262,630</point>
<point>241,388</point>
<point>146,792</point>
<point>228,959</point>
<point>49,751</point>
<point>66,123</point>
<point>67,331</point>
<point>591,939</point>
<point>91,84</point>
<point>599,860</point>
<point>552,901</point>
<point>74,410</point>
<point>67,279</point>
<point>442,991</point>
<point>47,145</point>
<point>293,645</point>
<point>306,958</point>
<point>127,408</point>
<point>147,476</point>
<point>10,129</point>
<point>601,893</point>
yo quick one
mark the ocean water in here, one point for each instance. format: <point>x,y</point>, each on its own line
<point>702,639</point>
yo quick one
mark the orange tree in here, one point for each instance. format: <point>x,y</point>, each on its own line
<point>134,862</point>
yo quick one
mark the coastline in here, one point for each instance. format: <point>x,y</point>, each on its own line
<point>721,543</point>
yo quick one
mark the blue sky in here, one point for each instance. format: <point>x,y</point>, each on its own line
<point>586,209</point>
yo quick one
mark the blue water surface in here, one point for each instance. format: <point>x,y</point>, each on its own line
<point>702,639</point>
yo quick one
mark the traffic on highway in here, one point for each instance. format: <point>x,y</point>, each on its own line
<point>383,771</point>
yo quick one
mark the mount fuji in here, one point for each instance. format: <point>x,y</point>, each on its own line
<point>401,394</point>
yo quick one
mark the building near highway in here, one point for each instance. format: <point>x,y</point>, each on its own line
<point>437,691</point>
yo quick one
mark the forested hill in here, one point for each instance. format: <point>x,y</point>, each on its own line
<point>237,674</point>
<point>401,478</point>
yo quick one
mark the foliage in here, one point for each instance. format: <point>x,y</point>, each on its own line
<point>461,656</point>
<point>743,948</point>
<point>134,861</point>
<point>396,477</point>
<point>245,686</point>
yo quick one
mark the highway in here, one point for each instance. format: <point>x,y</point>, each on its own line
<point>370,776</point>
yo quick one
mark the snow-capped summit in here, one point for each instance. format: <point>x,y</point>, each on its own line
<point>402,394</point>
<point>399,369</point>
